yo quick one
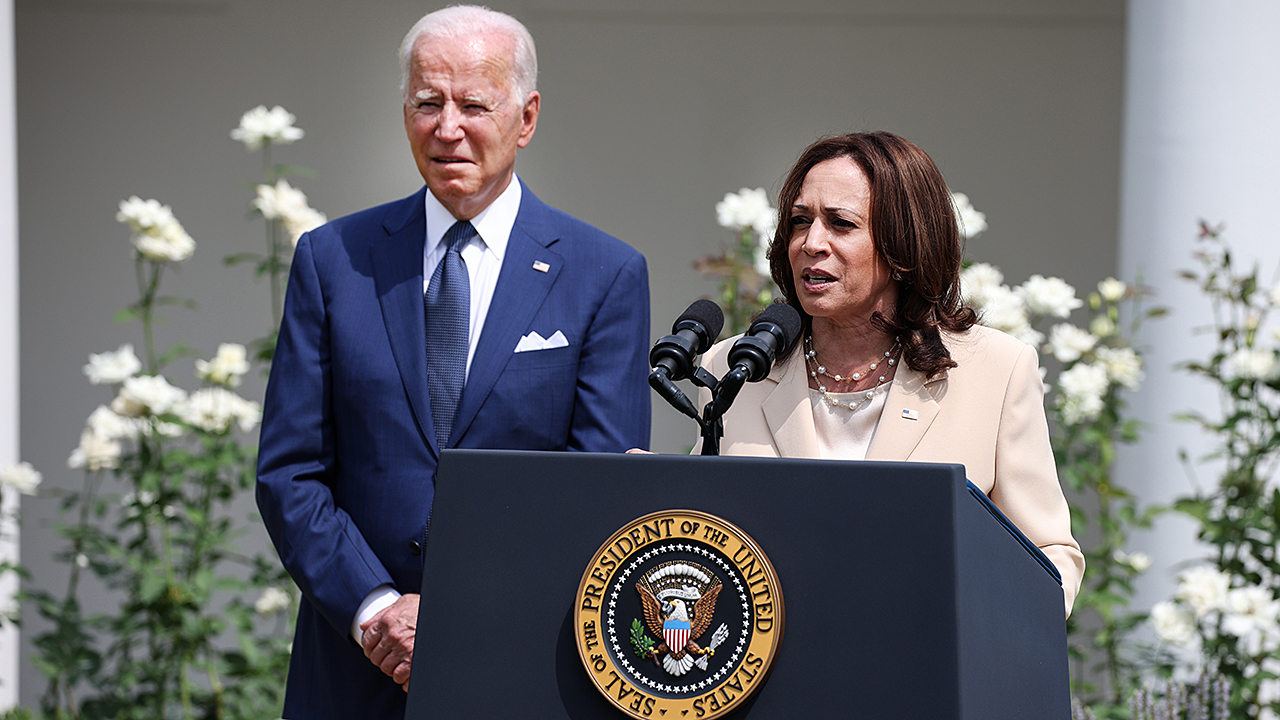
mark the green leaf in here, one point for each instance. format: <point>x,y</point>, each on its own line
<point>298,170</point>
<point>240,258</point>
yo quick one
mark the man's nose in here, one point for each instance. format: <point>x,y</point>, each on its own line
<point>449,125</point>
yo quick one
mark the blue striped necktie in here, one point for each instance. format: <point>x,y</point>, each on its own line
<point>448,309</point>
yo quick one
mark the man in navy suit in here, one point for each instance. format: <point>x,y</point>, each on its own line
<point>534,336</point>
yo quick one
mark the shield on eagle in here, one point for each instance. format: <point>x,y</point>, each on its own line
<point>676,633</point>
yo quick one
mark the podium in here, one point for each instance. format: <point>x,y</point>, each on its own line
<point>904,596</point>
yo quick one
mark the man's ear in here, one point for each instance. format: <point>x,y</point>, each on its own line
<point>529,118</point>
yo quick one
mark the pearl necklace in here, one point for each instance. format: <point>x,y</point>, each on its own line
<point>816,369</point>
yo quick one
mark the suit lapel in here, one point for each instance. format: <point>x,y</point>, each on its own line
<point>397,275</point>
<point>519,294</point>
<point>788,413</point>
<point>909,410</point>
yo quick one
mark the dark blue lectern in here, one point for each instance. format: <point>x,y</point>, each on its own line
<point>904,596</point>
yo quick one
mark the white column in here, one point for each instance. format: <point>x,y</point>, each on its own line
<point>8,342</point>
<point>1201,141</point>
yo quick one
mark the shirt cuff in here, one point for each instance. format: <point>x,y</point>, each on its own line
<point>375,602</point>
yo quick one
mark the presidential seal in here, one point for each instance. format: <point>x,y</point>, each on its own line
<point>678,615</point>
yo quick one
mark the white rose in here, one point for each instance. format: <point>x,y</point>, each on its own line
<point>765,225</point>
<point>157,234</point>
<point>1251,364</point>
<point>94,453</point>
<point>1002,309</point>
<point>109,368</point>
<point>1068,342</point>
<point>1248,609</point>
<point>1139,561</point>
<point>227,367</point>
<point>1082,388</point>
<point>1102,326</point>
<point>272,601</point>
<point>303,221</point>
<point>1204,588</point>
<point>214,409</point>
<point>1028,335</point>
<point>276,201</point>
<point>146,395</point>
<point>143,215</point>
<point>155,426</point>
<point>975,282</point>
<point>1112,290</point>
<point>972,223</point>
<point>21,477</point>
<point>261,125</point>
<point>108,425</point>
<point>746,209</point>
<point>1173,624</point>
<point>247,414</point>
<point>1048,296</point>
<point>288,204</point>
<point>1123,365</point>
<point>167,243</point>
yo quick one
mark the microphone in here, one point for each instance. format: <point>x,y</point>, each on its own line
<point>672,356</point>
<point>752,355</point>
<point>692,335</point>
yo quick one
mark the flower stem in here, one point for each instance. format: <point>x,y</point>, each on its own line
<point>147,289</point>
<point>275,264</point>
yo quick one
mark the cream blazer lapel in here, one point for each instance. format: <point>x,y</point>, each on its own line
<point>909,410</point>
<point>787,411</point>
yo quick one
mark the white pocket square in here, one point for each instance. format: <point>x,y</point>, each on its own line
<point>534,341</point>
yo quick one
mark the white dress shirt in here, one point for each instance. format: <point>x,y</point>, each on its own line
<point>483,256</point>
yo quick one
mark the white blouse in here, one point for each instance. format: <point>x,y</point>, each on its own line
<point>845,434</point>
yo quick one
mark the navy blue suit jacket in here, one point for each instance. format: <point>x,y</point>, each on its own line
<point>348,453</point>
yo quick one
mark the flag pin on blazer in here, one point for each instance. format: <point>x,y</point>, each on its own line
<point>540,266</point>
<point>910,414</point>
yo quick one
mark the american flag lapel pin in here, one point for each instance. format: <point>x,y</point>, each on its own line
<point>540,266</point>
<point>910,414</point>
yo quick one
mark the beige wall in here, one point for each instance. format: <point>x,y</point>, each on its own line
<point>651,112</point>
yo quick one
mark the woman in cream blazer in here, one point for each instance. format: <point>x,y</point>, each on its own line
<point>891,364</point>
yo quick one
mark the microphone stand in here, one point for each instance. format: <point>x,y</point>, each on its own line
<point>712,427</point>
<point>723,392</point>
<point>711,424</point>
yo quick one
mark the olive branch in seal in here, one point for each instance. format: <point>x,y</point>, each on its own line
<point>640,641</point>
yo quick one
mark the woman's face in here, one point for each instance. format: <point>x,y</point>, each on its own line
<point>837,271</point>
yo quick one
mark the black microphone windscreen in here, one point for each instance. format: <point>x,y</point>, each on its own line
<point>708,314</point>
<point>786,318</point>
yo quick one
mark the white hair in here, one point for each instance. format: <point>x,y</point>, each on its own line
<point>463,20</point>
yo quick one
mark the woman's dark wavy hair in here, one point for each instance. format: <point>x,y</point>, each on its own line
<point>914,228</point>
